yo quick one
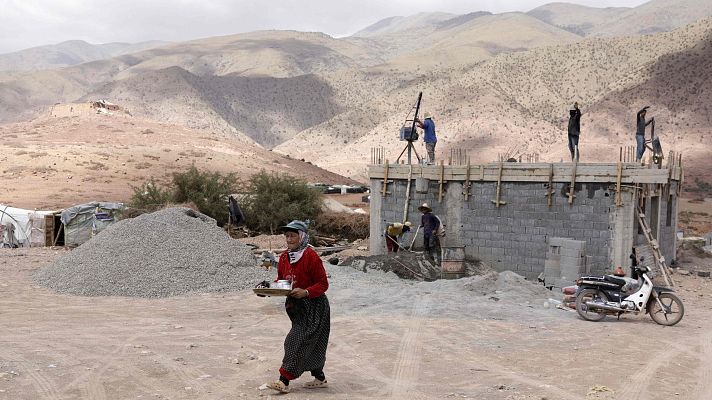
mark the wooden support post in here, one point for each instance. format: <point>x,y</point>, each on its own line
<point>407,193</point>
<point>550,191</point>
<point>442,180</point>
<point>619,177</point>
<point>572,187</point>
<point>482,172</point>
<point>384,190</point>
<point>497,201</point>
<point>466,187</point>
<point>682,175</point>
<point>61,228</point>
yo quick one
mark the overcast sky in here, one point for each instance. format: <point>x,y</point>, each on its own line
<point>29,23</point>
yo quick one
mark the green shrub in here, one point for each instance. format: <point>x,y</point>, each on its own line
<point>149,196</point>
<point>207,190</point>
<point>273,200</point>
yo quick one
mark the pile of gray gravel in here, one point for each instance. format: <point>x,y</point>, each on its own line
<point>170,252</point>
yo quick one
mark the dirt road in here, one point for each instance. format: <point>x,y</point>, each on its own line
<point>405,341</point>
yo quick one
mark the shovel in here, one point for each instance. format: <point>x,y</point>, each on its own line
<point>414,236</point>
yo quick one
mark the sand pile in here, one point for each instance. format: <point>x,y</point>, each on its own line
<point>170,252</point>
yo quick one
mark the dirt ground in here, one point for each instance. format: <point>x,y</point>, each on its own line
<point>408,340</point>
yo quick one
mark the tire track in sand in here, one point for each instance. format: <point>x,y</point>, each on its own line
<point>636,386</point>
<point>45,388</point>
<point>704,387</point>
<point>405,372</point>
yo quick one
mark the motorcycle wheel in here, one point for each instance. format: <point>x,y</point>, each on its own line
<point>582,308</point>
<point>672,312</point>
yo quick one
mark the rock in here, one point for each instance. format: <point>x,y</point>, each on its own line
<point>362,248</point>
<point>683,272</point>
<point>703,274</point>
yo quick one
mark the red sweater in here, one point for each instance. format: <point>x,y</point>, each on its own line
<point>308,273</point>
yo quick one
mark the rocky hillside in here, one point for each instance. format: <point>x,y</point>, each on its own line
<point>495,82</point>
<point>65,54</point>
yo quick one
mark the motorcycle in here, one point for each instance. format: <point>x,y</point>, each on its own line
<point>597,297</point>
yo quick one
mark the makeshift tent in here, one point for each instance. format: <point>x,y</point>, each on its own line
<point>22,228</point>
<point>83,221</point>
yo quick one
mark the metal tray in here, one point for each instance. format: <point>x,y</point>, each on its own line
<point>271,291</point>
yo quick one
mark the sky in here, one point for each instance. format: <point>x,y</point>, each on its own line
<point>29,23</point>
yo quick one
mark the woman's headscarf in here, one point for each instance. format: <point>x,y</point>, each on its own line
<point>295,255</point>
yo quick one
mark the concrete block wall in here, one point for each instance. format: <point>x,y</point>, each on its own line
<point>514,236</point>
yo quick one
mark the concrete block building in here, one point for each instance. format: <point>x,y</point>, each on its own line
<point>566,218</point>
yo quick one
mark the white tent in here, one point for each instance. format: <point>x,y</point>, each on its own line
<point>17,225</point>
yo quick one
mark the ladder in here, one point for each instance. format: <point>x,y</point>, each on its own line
<point>655,249</point>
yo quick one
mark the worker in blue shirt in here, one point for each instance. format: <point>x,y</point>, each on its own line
<point>428,126</point>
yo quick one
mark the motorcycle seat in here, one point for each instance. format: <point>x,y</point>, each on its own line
<point>615,279</point>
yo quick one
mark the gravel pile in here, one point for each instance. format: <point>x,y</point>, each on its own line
<point>170,252</point>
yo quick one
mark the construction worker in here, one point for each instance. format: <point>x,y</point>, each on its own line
<point>574,131</point>
<point>640,133</point>
<point>428,127</point>
<point>393,234</point>
<point>431,232</point>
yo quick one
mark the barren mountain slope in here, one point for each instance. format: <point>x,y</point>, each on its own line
<point>655,16</point>
<point>513,101</point>
<point>268,53</point>
<point>268,110</point>
<point>575,18</point>
<point>678,86</point>
<point>418,21</point>
<point>56,162</point>
<point>68,53</point>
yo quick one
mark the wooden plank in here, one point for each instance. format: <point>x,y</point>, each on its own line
<point>619,198</point>
<point>550,191</point>
<point>497,201</point>
<point>572,187</point>
<point>407,194</point>
<point>442,181</point>
<point>466,186</point>
<point>385,180</point>
<point>584,173</point>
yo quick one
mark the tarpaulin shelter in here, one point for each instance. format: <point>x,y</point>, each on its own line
<point>22,228</point>
<point>83,221</point>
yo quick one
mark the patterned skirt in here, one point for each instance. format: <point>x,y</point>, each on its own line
<point>305,344</point>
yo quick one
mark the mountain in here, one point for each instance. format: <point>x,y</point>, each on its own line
<point>496,83</point>
<point>56,162</point>
<point>68,53</point>
<point>575,18</point>
<point>520,100</point>
<point>400,24</point>
<point>655,16</point>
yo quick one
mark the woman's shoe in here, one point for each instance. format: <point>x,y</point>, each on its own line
<point>278,386</point>
<point>315,384</point>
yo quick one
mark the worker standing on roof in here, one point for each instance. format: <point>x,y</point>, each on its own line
<point>393,234</point>
<point>640,133</point>
<point>428,127</point>
<point>574,131</point>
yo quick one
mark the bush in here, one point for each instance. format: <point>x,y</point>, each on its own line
<point>150,197</point>
<point>207,190</point>
<point>273,200</point>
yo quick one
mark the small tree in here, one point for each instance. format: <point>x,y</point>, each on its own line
<point>149,196</point>
<point>207,190</point>
<point>273,200</point>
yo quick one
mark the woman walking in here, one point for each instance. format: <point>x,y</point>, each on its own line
<point>307,308</point>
